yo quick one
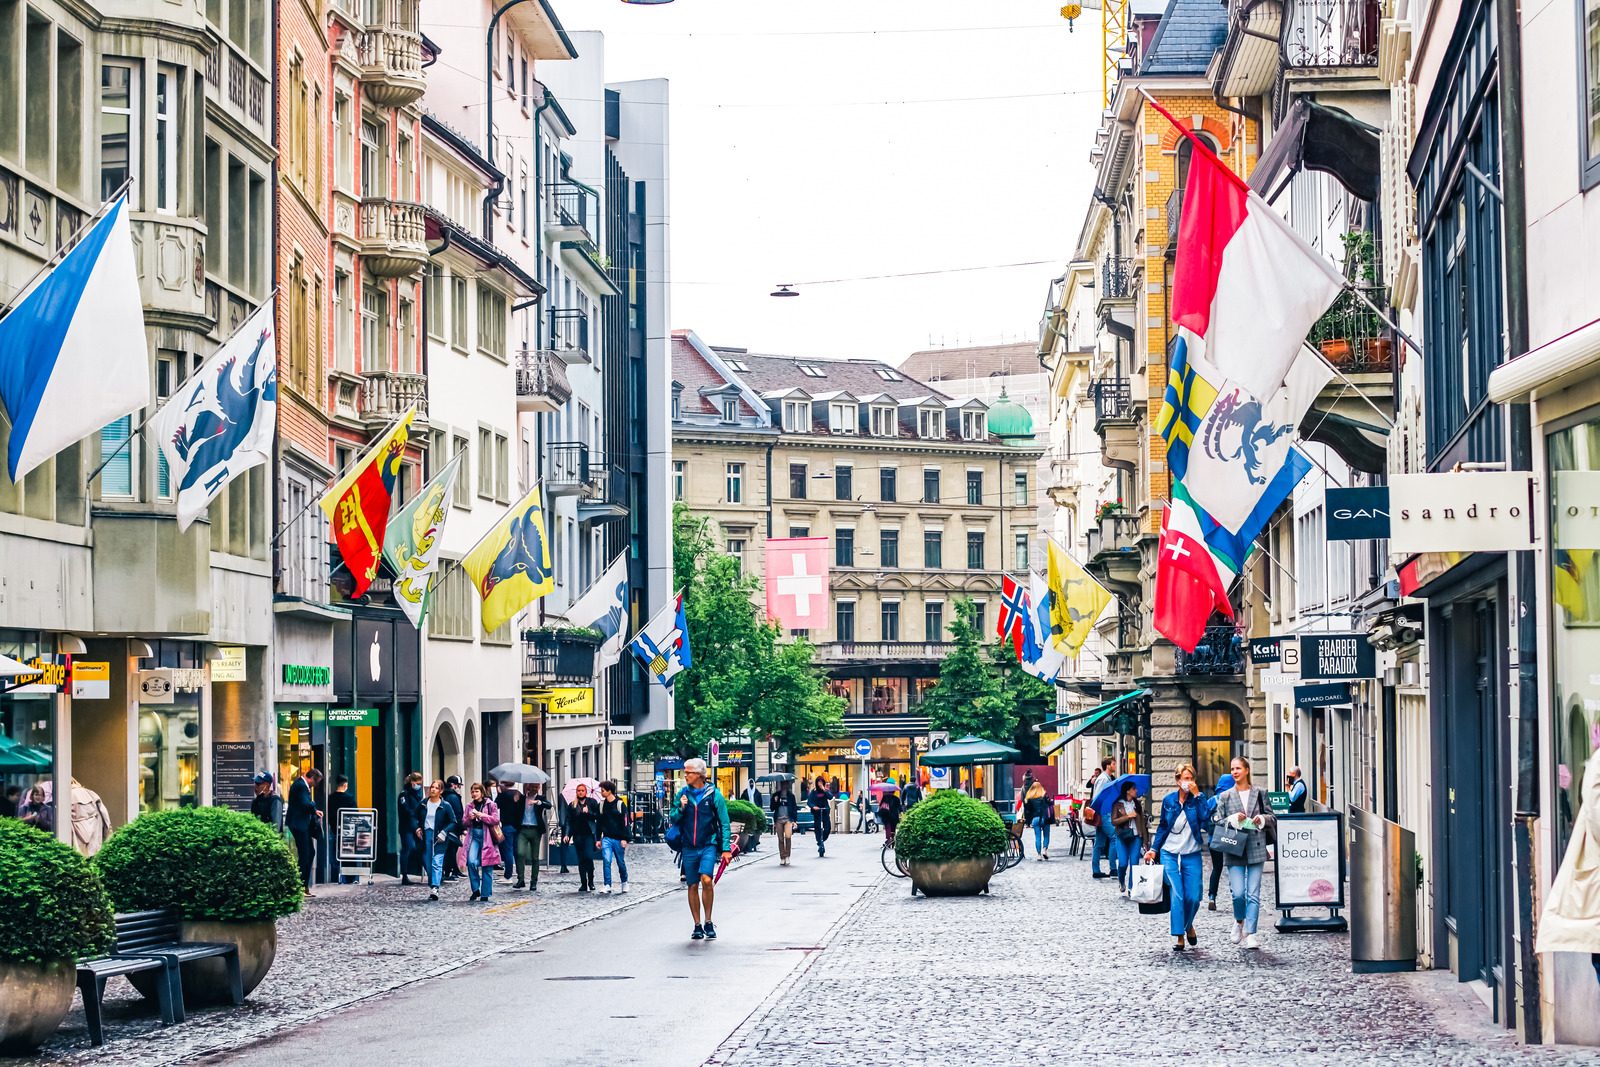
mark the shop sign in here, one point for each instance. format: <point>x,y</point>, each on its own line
<point>1325,695</point>
<point>1310,861</point>
<point>570,701</point>
<point>670,763</point>
<point>306,674</point>
<point>300,720</point>
<point>780,757</point>
<point>352,717</point>
<point>1575,508</point>
<point>1265,649</point>
<point>735,755</point>
<point>231,667</point>
<point>233,769</point>
<point>358,837</point>
<point>1360,514</point>
<point>91,680</point>
<point>1490,511</point>
<point>51,677</point>
<point>1278,802</point>
<point>1337,656</point>
<point>619,732</point>
<point>159,684</point>
<point>938,739</point>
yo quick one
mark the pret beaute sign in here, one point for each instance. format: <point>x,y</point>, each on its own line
<point>1310,864</point>
<point>1489,511</point>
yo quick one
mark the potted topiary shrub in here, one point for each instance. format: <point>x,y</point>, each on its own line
<point>949,843</point>
<point>53,910</point>
<point>230,876</point>
<point>754,820</point>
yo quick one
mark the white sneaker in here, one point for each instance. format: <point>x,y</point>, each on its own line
<point>1238,932</point>
<point>608,891</point>
<point>1251,942</point>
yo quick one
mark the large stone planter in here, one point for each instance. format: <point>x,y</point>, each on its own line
<point>34,998</point>
<point>951,878</point>
<point>206,981</point>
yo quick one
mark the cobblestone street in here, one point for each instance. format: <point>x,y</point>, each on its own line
<point>826,962</point>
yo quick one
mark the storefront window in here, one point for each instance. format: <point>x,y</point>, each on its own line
<point>1217,735</point>
<point>169,736</point>
<point>891,758</point>
<point>888,696</point>
<point>1574,458</point>
<point>27,738</point>
<point>849,690</point>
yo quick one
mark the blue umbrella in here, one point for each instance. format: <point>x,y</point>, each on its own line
<point>1105,798</point>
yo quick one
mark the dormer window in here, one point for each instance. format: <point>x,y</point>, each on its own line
<point>930,423</point>
<point>730,409</point>
<point>677,406</point>
<point>739,365</point>
<point>796,416</point>
<point>884,421</point>
<point>842,417</point>
<point>972,426</point>
<point>811,370</point>
<point>889,374</point>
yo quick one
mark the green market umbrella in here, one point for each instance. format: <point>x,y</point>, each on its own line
<point>17,758</point>
<point>970,751</point>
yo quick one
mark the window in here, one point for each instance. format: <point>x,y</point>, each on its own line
<point>116,451</point>
<point>68,112</point>
<point>974,550</point>
<point>374,329</point>
<point>730,409</point>
<point>980,616</point>
<point>1311,559</point>
<point>797,481</point>
<point>119,128</point>
<point>844,547</point>
<point>166,183</point>
<point>485,462</point>
<point>796,416</point>
<point>458,312</point>
<point>168,376</point>
<point>799,531</point>
<point>738,365</point>
<point>973,426</point>
<point>884,421</point>
<point>1589,62</point>
<point>975,488</point>
<point>1020,480</point>
<point>889,548</point>
<point>458,447</point>
<point>887,478</point>
<point>344,343</point>
<point>1218,733</point>
<point>522,197</point>
<point>405,176</point>
<point>408,336</point>
<point>373,172</point>
<point>933,549</point>
<point>930,423</point>
<point>492,317</point>
<point>844,620</point>
<point>736,550</point>
<point>843,489</point>
<point>677,406</point>
<point>888,374</point>
<point>343,163</point>
<point>811,370</point>
<point>890,612</point>
<point>735,488</point>
<point>450,611</point>
<point>842,418</point>
<point>502,468</point>
<point>933,621</point>
<point>678,468</point>
<point>1022,551</point>
<point>930,485</point>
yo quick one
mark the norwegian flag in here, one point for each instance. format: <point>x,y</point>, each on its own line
<point>1014,610</point>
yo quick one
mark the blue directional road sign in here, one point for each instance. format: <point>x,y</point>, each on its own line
<point>863,747</point>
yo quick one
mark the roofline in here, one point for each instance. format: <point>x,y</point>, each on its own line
<point>485,252</point>
<point>558,111</point>
<point>720,365</point>
<point>561,31</point>
<point>465,148</point>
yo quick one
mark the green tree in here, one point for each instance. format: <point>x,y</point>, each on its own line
<point>1031,701</point>
<point>969,697</point>
<point>743,678</point>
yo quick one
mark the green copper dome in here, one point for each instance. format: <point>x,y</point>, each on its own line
<point>1010,421</point>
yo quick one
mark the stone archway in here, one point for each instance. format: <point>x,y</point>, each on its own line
<point>469,749</point>
<point>445,753</point>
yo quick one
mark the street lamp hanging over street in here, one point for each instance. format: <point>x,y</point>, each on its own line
<point>783,290</point>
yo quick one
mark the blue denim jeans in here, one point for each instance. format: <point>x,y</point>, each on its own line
<point>1128,853</point>
<point>433,855</point>
<point>1244,879</point>
<point>611,847</point>
<point>1184,875</point>
<point>481,879</point>
<point>1041,833</point>
<point>1104,845</point>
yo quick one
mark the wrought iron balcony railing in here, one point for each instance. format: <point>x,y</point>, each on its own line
<point>1219,653</point>
<point>1350,334</point>
<point>541,379</point>
<point>1331,33</point>
<point>1113,399</point>
<point>1116,278</point>
<point>1174,218</point>
<point>569,334</point>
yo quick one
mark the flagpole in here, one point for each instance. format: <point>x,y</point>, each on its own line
<point>1383,315</point>
<point>340,473</point>
<point>68,245</point>
<point>139,429</point>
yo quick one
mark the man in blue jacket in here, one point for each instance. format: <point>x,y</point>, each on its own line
<point>304,822</point>
<point>703,827</point>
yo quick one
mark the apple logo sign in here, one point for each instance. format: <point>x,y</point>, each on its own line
<point>376,659</point>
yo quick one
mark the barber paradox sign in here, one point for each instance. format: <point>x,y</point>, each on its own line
<point>1337,656</point>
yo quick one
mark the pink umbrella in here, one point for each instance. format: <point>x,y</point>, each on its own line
<point>570,790</point>
<point>884,787</point>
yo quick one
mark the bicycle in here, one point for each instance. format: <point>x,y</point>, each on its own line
<point>1010,857</point>
<point>892,862</point>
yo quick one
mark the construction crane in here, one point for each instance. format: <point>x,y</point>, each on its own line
<point>1113,38</point>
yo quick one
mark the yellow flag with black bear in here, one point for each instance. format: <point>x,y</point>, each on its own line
<point>1076,600</point>
<point>511,565</point>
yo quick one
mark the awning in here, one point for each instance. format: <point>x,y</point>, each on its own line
<point>970,751</point>
<point>1094,719</point>
<point>1320,138</point>
<point>1551,366</point>
<point>17,758</point>
<point>1362,446</point>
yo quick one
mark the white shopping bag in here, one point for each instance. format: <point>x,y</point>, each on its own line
<point>1148,879</point>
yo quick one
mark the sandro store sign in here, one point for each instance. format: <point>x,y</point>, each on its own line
<point>1489,511</point>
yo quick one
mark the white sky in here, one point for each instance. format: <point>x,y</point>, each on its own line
<point>788,165</point>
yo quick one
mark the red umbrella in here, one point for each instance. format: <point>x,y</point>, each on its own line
<point>724,864</point>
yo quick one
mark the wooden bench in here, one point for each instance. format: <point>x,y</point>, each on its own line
<point>151,941</point>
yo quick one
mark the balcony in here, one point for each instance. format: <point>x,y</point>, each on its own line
<point>572,471</point>
<point>1116,278</point>
<point>1113,548</point>
<point>1330,34</point>
<point>569,335</point>
<point>1116,421</point>
<point>554,656</point>
<point>385,396</point>
<point>841,652</point>
<point>391,65</point>
<point>1352,338</point>
<point>542,384</point>
<point>1219,654</point>
<point>393,237</point>
<point>607,499</point>
<point>1174,217</point>
<point>574,213</point>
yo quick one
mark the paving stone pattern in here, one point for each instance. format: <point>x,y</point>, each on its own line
<point>353,942</point>
<point>1052,967</point>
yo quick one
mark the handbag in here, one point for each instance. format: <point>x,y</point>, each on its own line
<point>1150,889</point>
<point>1229,840</point>
<point>498,834</point>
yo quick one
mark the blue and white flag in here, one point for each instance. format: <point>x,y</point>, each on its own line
<point>1039,657</point>
<point>605,608</point>
<point>663,645</point>
<point>73,354</point>
<point>222,420</point>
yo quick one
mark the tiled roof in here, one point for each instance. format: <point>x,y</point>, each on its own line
<point>691,370</point>
<point>980,361</point>
<point>1189,35</point>
<point>858,376</point>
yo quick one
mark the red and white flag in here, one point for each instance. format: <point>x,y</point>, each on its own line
<point>797,582</point>
<point>1191,583</point>
<point>1244,283</point>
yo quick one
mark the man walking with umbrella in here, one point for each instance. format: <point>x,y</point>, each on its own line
<point>525,824</point>
<point>703,830</point>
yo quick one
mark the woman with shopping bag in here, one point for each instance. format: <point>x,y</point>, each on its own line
<point>1244,822</point>
<point>1184,816</point>
<point>1571,921</point>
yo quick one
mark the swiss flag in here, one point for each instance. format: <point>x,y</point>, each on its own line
<point>1190,582</point>
<point>797,582</point>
